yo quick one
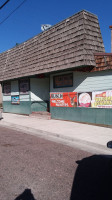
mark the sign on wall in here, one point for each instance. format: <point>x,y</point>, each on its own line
<point>102,99</point>
<point>15,100</point>
<point>84,99</point>
<point>63,99</point>
<point>99,99</point>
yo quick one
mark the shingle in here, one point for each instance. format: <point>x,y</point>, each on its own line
<point>68,44</point>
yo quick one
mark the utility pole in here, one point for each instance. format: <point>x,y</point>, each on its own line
<point>111,36</point>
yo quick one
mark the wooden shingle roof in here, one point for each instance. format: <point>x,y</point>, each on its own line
<point>69,44</point>
<point>103,61</point>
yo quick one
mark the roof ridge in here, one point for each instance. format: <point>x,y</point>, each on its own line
<point>87,12</point>
<point>53,26</point>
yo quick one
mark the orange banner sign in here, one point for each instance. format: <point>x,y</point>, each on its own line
<point>63,99</point>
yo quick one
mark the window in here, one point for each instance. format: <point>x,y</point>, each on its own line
<point>24,86</point>
<point>65,80</point>
<point>7,88</point>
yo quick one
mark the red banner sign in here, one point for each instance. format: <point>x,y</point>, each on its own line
<point>63,99</point>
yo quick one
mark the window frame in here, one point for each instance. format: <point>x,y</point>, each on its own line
<point>5,88</point>
<point>62,76</point>
<point>21,81</point>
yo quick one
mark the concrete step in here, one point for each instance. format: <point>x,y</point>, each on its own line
<point>41,115</point>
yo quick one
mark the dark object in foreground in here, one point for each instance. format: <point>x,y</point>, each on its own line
<point>93,179</point>
<point>109,144</point>
<point>26,195</point>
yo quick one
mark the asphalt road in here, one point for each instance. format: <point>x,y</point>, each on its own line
<point>30,162</point>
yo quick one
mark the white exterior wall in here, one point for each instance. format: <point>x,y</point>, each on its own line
<point>24,97</point>
<point>86,81</point>
<point>6,98</point>
<point>39,89</point>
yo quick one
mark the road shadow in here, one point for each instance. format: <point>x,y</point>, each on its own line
<point>93,179</point>
<point>26,195</point>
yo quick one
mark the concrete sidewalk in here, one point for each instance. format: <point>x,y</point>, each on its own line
<point>86,137</point>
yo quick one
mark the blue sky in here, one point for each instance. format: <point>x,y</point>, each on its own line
<point>26,21</point>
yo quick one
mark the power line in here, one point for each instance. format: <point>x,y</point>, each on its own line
<point>4,4</point>
<point>12,12</point>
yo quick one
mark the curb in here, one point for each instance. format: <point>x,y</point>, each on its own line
<point>73,142</point>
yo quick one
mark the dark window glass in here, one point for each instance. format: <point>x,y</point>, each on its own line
<point>65,80</point>
<point>24,86</point>
<point>7,88</point>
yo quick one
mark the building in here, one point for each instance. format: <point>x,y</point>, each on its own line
<point>53,70</point>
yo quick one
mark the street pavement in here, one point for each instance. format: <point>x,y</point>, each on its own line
<point>29,162</point>
<point>91,138</point>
